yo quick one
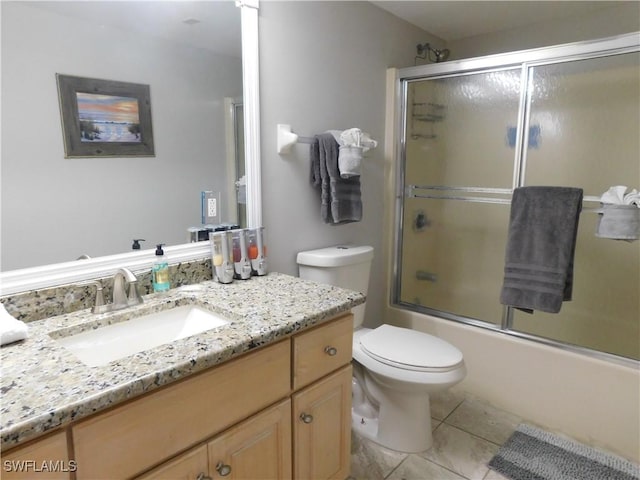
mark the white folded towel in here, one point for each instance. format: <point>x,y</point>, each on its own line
<point>616,196</point>
<point>358,138</point>
<point>353,144</point>
<point>11,330</point>
<point>632,198</point>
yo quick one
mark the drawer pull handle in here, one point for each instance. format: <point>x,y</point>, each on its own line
<point>306,418</point>
<point>223,469</point>
<point>202,476</point>
<point>331,351</point>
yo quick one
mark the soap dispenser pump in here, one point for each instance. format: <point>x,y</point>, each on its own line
<point>136,243</point>
<point>160,271</point>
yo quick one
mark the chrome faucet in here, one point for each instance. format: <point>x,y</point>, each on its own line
<point>99,306</point>
<point>120,297</point>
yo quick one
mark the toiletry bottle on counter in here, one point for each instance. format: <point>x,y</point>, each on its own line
<point>241,262</point>
<point>221,256</point>
<point>258,251</point>
<point>160,271</point>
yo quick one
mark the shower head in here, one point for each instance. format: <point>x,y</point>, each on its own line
<point>426,52</point>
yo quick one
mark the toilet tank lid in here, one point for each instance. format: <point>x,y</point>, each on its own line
<point>336,256</point>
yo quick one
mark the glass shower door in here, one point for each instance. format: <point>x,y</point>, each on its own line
<point>469,139</point>
<point>586,114</point>
<point>458,177</point>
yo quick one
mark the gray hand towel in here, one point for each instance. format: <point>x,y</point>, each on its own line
<point>314,155</point>
<point>543,225</point>
<point>340,199</point>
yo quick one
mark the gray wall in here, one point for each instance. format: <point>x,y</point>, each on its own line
<point>55,209</point>
<point>323,66</point>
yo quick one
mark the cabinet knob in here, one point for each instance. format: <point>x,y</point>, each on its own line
<point>202,476</point>
<point>223,469</point>
<point>331,351</point>
<point>306,418</point>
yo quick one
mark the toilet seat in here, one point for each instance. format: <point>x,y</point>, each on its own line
<point>410,350</point>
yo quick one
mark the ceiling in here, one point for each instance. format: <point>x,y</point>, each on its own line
<point>215,25</point>
<point>453,20</point>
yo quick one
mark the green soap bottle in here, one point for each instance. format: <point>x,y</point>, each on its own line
<point>160,271</point>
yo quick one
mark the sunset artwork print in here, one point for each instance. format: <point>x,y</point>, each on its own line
<point>105,118</point>
<point>108,118</point>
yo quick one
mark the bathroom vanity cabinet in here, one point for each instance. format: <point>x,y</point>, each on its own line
<point>281,411</point>
<point>259,447</point>
<point>50,453</point>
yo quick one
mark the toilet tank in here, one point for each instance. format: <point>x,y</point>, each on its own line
<point>346,266</point>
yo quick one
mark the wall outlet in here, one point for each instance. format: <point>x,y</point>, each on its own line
<point>210,207</point>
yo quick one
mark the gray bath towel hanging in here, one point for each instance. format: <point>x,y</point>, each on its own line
<point>340,199</point>
<point>543,225</point>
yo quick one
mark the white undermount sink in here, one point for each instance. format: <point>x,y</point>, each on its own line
<point>112,342</point>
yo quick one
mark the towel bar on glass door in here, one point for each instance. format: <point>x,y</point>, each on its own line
<point>492,195</point>
<point>286,138</point>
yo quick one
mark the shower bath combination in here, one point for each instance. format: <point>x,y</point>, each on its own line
<point>470,132</point>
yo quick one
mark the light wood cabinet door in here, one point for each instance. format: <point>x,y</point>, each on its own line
<point>257,449</point>
<point>192,465</point>
<point>322,428</point>
<point>45,459</point>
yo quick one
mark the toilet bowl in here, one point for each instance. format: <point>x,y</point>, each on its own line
<point>395,369</point>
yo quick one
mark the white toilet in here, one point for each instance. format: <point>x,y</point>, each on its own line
<point>395,369</point>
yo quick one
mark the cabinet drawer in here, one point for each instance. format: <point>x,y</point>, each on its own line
<point>321,350</point>
<point>140,434</point>
<point>44,459</point>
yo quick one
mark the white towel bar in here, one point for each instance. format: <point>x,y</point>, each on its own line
<point>287,139</point>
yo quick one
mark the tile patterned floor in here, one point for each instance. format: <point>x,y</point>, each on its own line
<point>466,435</point>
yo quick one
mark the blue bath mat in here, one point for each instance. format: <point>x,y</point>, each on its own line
<point>533,454</point>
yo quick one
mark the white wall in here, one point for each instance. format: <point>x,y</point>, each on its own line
<point>44,195</point>
<point>322,66</point>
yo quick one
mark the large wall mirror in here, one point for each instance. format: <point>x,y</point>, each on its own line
<point>199,59</point>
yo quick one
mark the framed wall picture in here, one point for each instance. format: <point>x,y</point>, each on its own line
<point>105,118</point>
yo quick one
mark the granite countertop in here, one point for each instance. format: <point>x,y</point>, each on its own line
<point>44,386</point>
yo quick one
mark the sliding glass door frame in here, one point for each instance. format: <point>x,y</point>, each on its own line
<point>526,62</point>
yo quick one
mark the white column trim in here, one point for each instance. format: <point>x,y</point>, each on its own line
<point>251,94</point>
